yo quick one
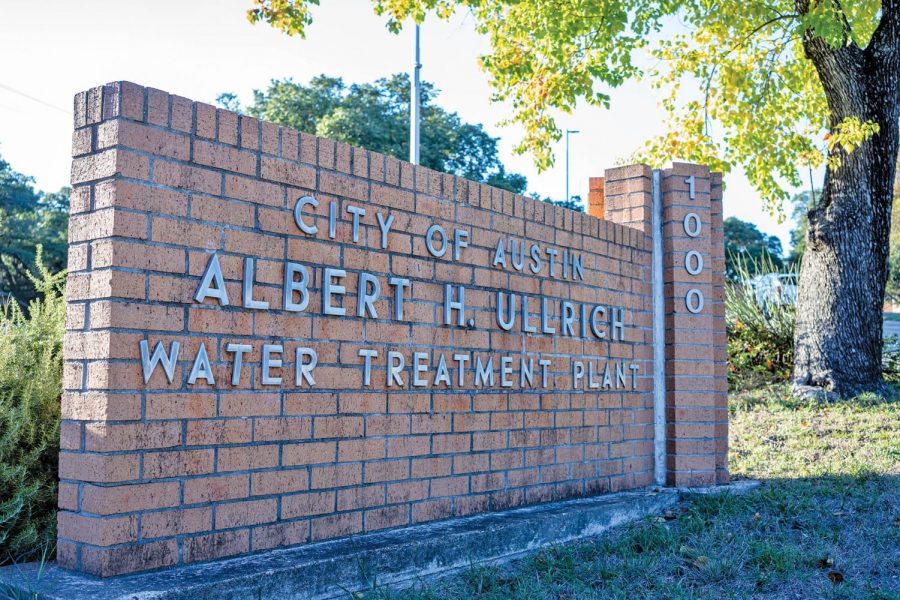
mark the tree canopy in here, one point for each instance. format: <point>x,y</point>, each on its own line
<point>738,87</point>
<point>749,249</point>
<point>28,219</point>
<point>376,116</point>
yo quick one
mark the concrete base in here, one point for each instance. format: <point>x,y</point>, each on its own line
<point>330,569</point>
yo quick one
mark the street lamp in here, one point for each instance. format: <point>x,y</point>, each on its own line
<point>415,100</point>
<point>568,132</point>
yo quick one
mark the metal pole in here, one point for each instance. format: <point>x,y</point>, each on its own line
<point>568,131</point>
<point>415,105</point>
<point>659,334</point>
<point>567,166</point>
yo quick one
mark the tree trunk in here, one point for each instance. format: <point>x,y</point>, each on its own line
<point>838,337</point>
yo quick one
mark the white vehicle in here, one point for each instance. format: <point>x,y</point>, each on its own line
<point>775,289</point>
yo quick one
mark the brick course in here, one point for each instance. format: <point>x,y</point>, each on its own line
<point>162,473</point>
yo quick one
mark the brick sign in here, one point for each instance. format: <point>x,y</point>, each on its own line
<point>274,338</point>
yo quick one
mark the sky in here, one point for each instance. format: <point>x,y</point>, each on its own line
<point>199,48</point>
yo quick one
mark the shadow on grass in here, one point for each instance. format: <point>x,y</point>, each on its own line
<point>822,537</point>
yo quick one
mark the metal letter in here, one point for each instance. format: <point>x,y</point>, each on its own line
<point>694,301</point>
<point>693,262</point>
<point>544,362</point>
<point>692,224</point>
<point>461,360</point>
<point>527,327</point>
<point>212,274</point>
<point>617,324</point>
<point>159,355</point>
<point>442,374</point>
<point>291,286</point>
<point>505,371</point>
<point>357,212</point>
<point>568,317</point>
<point>399,283</point>
<point>418,368</point>
<point>385,228</point>
<point>365,300</point>
<point>367,364</point>
<point>526,374</point>
<point>429,240</point>
<point>330,289</point>
<point>298,214</point>
<point>239,351</point>
<point>332,219</point>
<point>545,316</point>
<point>691,186</point>
<point>499,255</point>
<point>395,371</point>
<point>459,305</point>
<point>269,363</point>
<point>577,373</point>
<point>249,278</point>
<point>506,324</point>
<point>304,368</point>
<point>201,367</point>
<point>484,373</point>
<point>460,240</point>
<point>552,253</point>
<point>577,267</point>
<point>518,263</point>
<point>595,327</point>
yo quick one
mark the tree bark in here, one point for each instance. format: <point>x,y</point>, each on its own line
<point>838,337</point>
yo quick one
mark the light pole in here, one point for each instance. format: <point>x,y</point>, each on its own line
<point>415,99</point>
<point>568,132</point>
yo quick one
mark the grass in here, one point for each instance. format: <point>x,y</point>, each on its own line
<point>825,523</point>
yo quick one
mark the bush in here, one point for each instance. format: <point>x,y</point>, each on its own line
<point>30,390</point>
<point>760,337</point>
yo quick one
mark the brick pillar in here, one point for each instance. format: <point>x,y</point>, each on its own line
<point>696,386</point>
<point>696,419</point>
<point>596,203</point>
<point>720,352</point>
<point>627,196</point>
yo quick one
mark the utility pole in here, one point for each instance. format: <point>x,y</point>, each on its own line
<point>415,101</point>
<point>568,131</point>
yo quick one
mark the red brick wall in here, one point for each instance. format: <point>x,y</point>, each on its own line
<point>167,473</point>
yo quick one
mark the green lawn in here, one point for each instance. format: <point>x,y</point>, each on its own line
<point>824,524</point>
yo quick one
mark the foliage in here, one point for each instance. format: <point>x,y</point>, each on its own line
<point>28,219</point>
<point>890,359</point>
<point>739,88</point>
<point>574,203</point>
<point>30,389</point>
<point>376,116</point>
<point>822,525</point>
<point>760,335</point>
<point>747,246</point>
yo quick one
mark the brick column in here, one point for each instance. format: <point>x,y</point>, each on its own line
<point>696,387</point>
<point>625,197</point>
<point>720,350</point>
<point>596,202</point>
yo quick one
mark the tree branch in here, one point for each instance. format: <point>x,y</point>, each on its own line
<point>885,42</point>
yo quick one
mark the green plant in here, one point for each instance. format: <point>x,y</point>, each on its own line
<point>890,362</point>
<point>30,390</point>
<point>760,331</point>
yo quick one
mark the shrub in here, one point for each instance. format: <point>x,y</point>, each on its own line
<point>760,336</point>
<point>30,390</point>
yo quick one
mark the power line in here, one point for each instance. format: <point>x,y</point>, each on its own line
<point>33,99</point>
